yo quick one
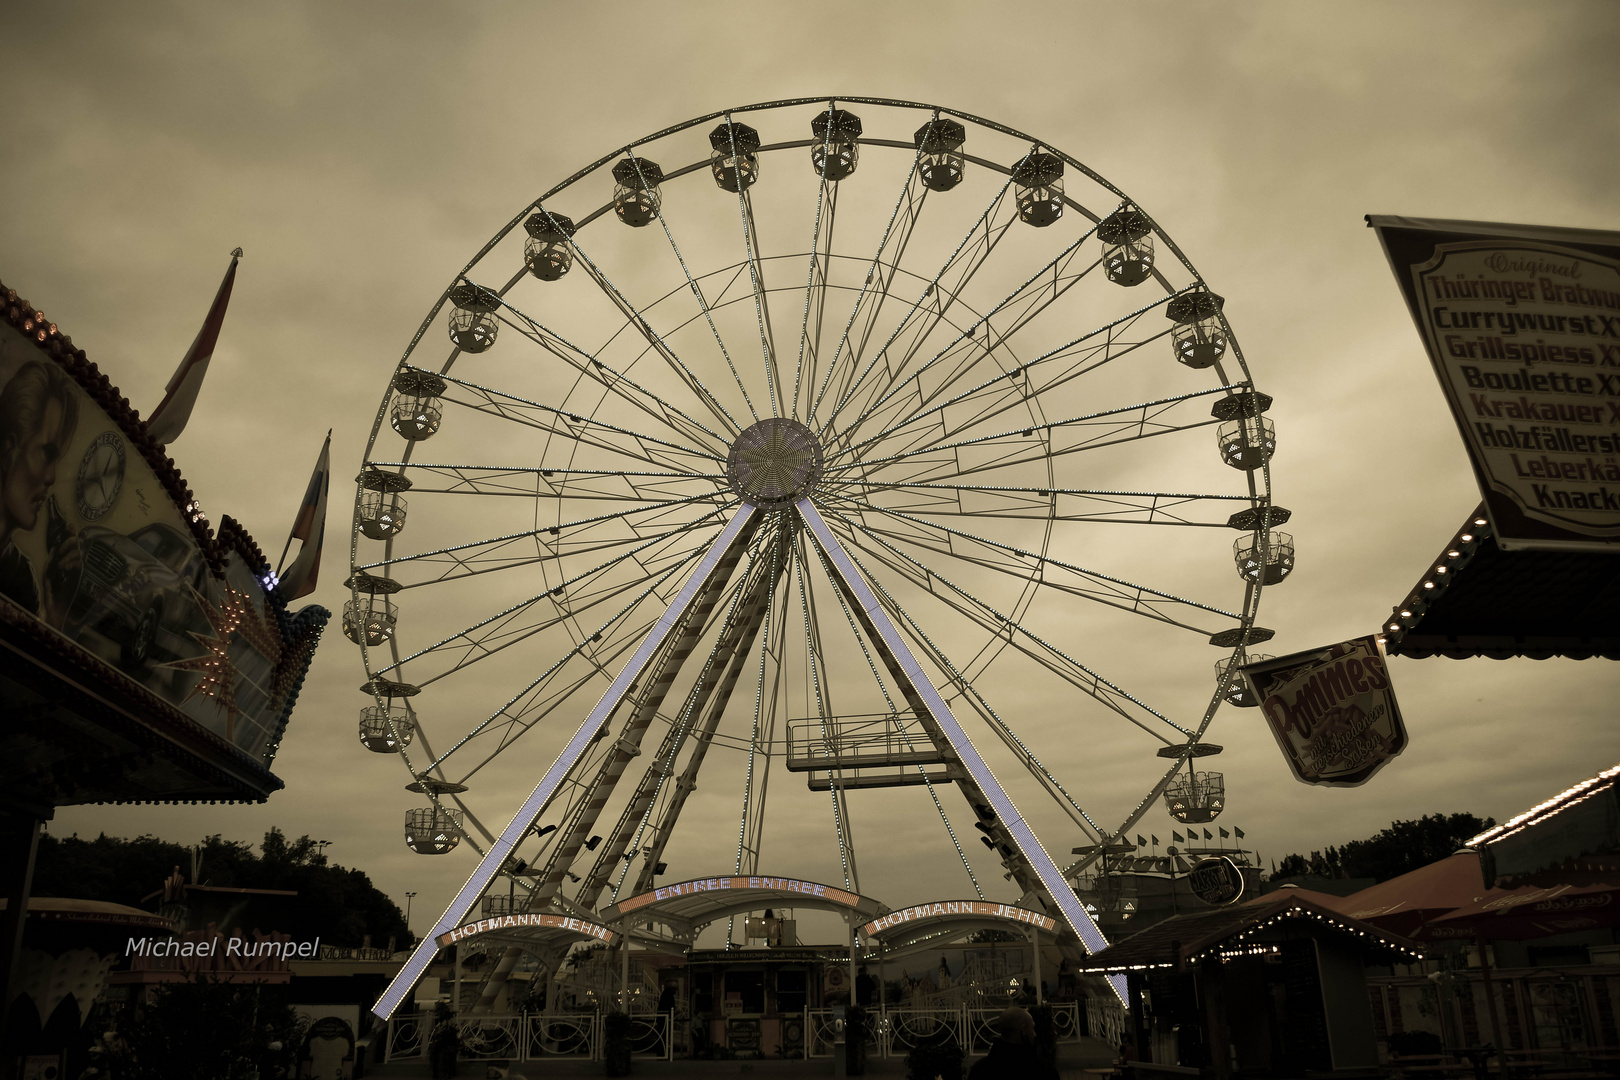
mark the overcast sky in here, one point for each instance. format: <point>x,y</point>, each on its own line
<point>360,154</point>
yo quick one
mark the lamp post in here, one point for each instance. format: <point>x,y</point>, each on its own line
<point>408,898</point>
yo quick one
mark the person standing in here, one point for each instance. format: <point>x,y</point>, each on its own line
<point>1012,1056</point>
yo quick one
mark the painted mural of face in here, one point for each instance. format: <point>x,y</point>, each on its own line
<point>28,470</point>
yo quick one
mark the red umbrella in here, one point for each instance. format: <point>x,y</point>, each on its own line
<point>1405,904</point>
<point>1517,914</point>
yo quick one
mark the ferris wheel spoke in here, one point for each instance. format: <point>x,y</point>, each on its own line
<point>708,316</point>
<point>1018,382</point>
<point>762,309</point>
<point>815,299</point>
<point>1001,394</point>
<point>894,710</point>
<point>1038,503</point>
<point>468,557</point>
<point>645,645</point>
<point>822,696</point>
<point>535,482</point>
<point>543,703</point>
<point>612,380</point>
<point>1036,870</point>
<point>622,846</point>
<point>902,220</point>
<point>1030,565</point>
<point>971,253</point>
<point>1092,431</point>
<point>967,692</point>
<point>960,356</point>
<point>581,430</point>
<point>656,342</point>
<point>473,643</point>
<point>1009,628</point>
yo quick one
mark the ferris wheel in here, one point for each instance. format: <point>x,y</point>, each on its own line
<point>862,441</point>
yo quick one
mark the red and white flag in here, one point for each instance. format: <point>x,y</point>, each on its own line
<point>168,420</point>
<point>310,527</point>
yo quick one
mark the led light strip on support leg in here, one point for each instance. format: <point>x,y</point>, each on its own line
<point>734,533</point>
<point>1022,835</point>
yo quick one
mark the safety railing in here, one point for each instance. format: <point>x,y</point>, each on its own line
<point>889,1032</point>
<point>516,1038</point>
<point>652,1036</point>
<point>490,1038</point>
<point>1106,1020</point>
<point>562,1035</point>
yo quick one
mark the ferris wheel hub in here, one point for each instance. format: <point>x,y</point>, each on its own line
<point>774,462</point>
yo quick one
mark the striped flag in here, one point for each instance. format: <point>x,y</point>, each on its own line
<point>168,420</point>
<point>310,527</point>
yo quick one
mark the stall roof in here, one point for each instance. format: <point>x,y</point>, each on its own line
<point>1477,600</point>
<point>1195,936</point>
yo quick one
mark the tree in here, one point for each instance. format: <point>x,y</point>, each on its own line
<point>204,1029</point>
<point>1402,847</point>
<point>337,904</point>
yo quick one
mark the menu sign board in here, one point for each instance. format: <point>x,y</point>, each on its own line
<point>1332,711</point>
<point>1522,325</point>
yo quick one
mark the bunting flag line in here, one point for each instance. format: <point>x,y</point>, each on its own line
<point>310,526</point>
<point>168,420</point>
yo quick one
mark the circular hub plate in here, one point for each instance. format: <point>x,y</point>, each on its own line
<point>773,463</point>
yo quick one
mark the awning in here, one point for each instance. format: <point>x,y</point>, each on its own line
<point>1571,839</point>
<point>1478,600</point>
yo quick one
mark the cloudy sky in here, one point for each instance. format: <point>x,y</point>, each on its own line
<point>361,153</point>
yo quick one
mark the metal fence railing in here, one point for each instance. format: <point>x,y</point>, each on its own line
<point>890,1033</point>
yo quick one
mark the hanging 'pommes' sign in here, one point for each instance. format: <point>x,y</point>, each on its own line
<point>1332,711</point>
<point>1522,325</point>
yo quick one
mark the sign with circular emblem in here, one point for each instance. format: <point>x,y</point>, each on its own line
<point>1217,881</point>
<point>101,476</point>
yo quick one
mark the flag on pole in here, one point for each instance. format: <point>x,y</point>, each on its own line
<point>1141,842</point>
<point>310,527</point>
<point>1176,837</point>
<point>168,420</point>
<point>1238,831</point>
<point>1155,841</point>
<point>1207,835</point>
<point>1224,834</point>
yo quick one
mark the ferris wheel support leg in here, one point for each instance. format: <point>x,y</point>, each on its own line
<point>978,770</point>
<point>554,777</point>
